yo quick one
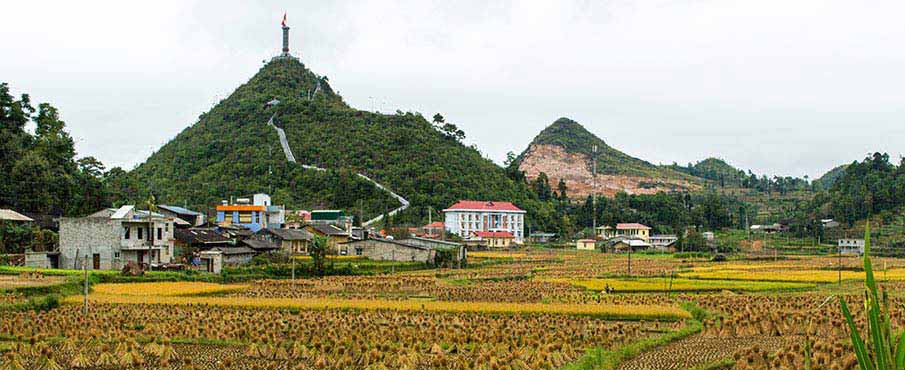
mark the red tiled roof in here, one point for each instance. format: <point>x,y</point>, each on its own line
<point>484,206</point>
<point>494,234</point>
<point>434,225</point>
<point>632,226</point>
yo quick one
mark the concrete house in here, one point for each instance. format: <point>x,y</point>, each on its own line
<point>632,230</point>
<point>851,246</point>
<point>663,242</point>
<point>110,238</point>
<point>254,214</point>
<point>468,216</point>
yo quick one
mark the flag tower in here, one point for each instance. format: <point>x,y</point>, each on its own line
<point>285,37</point>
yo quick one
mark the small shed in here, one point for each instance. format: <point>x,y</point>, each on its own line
<point>586,244</point>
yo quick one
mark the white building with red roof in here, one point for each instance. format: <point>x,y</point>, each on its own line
<point>469,216</point>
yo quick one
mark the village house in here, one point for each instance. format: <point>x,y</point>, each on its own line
<point>663,242</point>
<point>490,239</point>
<point>213,260</point>
<point>404,250</point>
<point>586,244</point>
<point>622,244</point>
<point>468,216</point>
<point>110,238</point>
<point>293,241</point>
<point>335,236</point>
<point>433,230</point>
<point>541,237</point>
<point>184,217</point>
<point>634,230</point>
<point>254,214</point>
<point>851,246</point>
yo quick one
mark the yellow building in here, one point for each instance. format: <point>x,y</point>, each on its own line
<point>492,239</point>
<point>586,244</point>
<point>632,230</point>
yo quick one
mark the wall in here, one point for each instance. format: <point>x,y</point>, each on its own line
<point>386,251</point>
<point>81,236</point>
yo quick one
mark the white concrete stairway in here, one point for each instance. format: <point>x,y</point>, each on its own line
<point>291,158</point>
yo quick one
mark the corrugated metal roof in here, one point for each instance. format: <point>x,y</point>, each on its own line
<point>179,210</point>
<point>10,215</point>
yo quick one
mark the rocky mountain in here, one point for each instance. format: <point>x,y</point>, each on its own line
<point>565,150</point>
<point>233,150</point>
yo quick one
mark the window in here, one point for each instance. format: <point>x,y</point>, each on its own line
<point>245,217</point>
<point>159,233</point>
<point>127,232</point>
<point>358,251</point>
<point>140,231</point>
<point>115,254</point>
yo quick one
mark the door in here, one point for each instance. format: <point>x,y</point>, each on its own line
<point>96,258</point>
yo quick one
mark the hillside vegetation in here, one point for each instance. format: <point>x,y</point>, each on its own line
<point>232,151</point>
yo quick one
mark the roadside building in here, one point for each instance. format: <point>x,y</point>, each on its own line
<point>490,239</point>
<point>295,241</point>
<point>586,244</point>
<point>708,236</point>
<point>631,230</point>
<point>405,250</point>
<point>468,216</point>
<point>188,217</point>
<point>851,246</point>
<point>110,238</point>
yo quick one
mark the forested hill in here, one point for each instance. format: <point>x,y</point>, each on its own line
<point>232,151</point>
<point>714,169</point>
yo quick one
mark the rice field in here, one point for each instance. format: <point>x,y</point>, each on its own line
<point>530,309</point>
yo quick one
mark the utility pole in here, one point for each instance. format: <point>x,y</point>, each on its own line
<point>594,196</point>
<point>85,267</point>
<point>630,261</point>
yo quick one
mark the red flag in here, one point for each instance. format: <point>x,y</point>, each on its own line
<point>284,19</point>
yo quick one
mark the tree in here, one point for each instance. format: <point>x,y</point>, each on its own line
<point>561,188</point>
<point>318,252</point>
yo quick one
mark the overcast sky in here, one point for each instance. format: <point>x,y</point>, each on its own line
<point>779,87</point>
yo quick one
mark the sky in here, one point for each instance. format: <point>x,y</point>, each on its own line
<point>786,88</point>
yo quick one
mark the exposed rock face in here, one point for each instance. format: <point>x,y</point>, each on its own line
<point>575,169</point>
